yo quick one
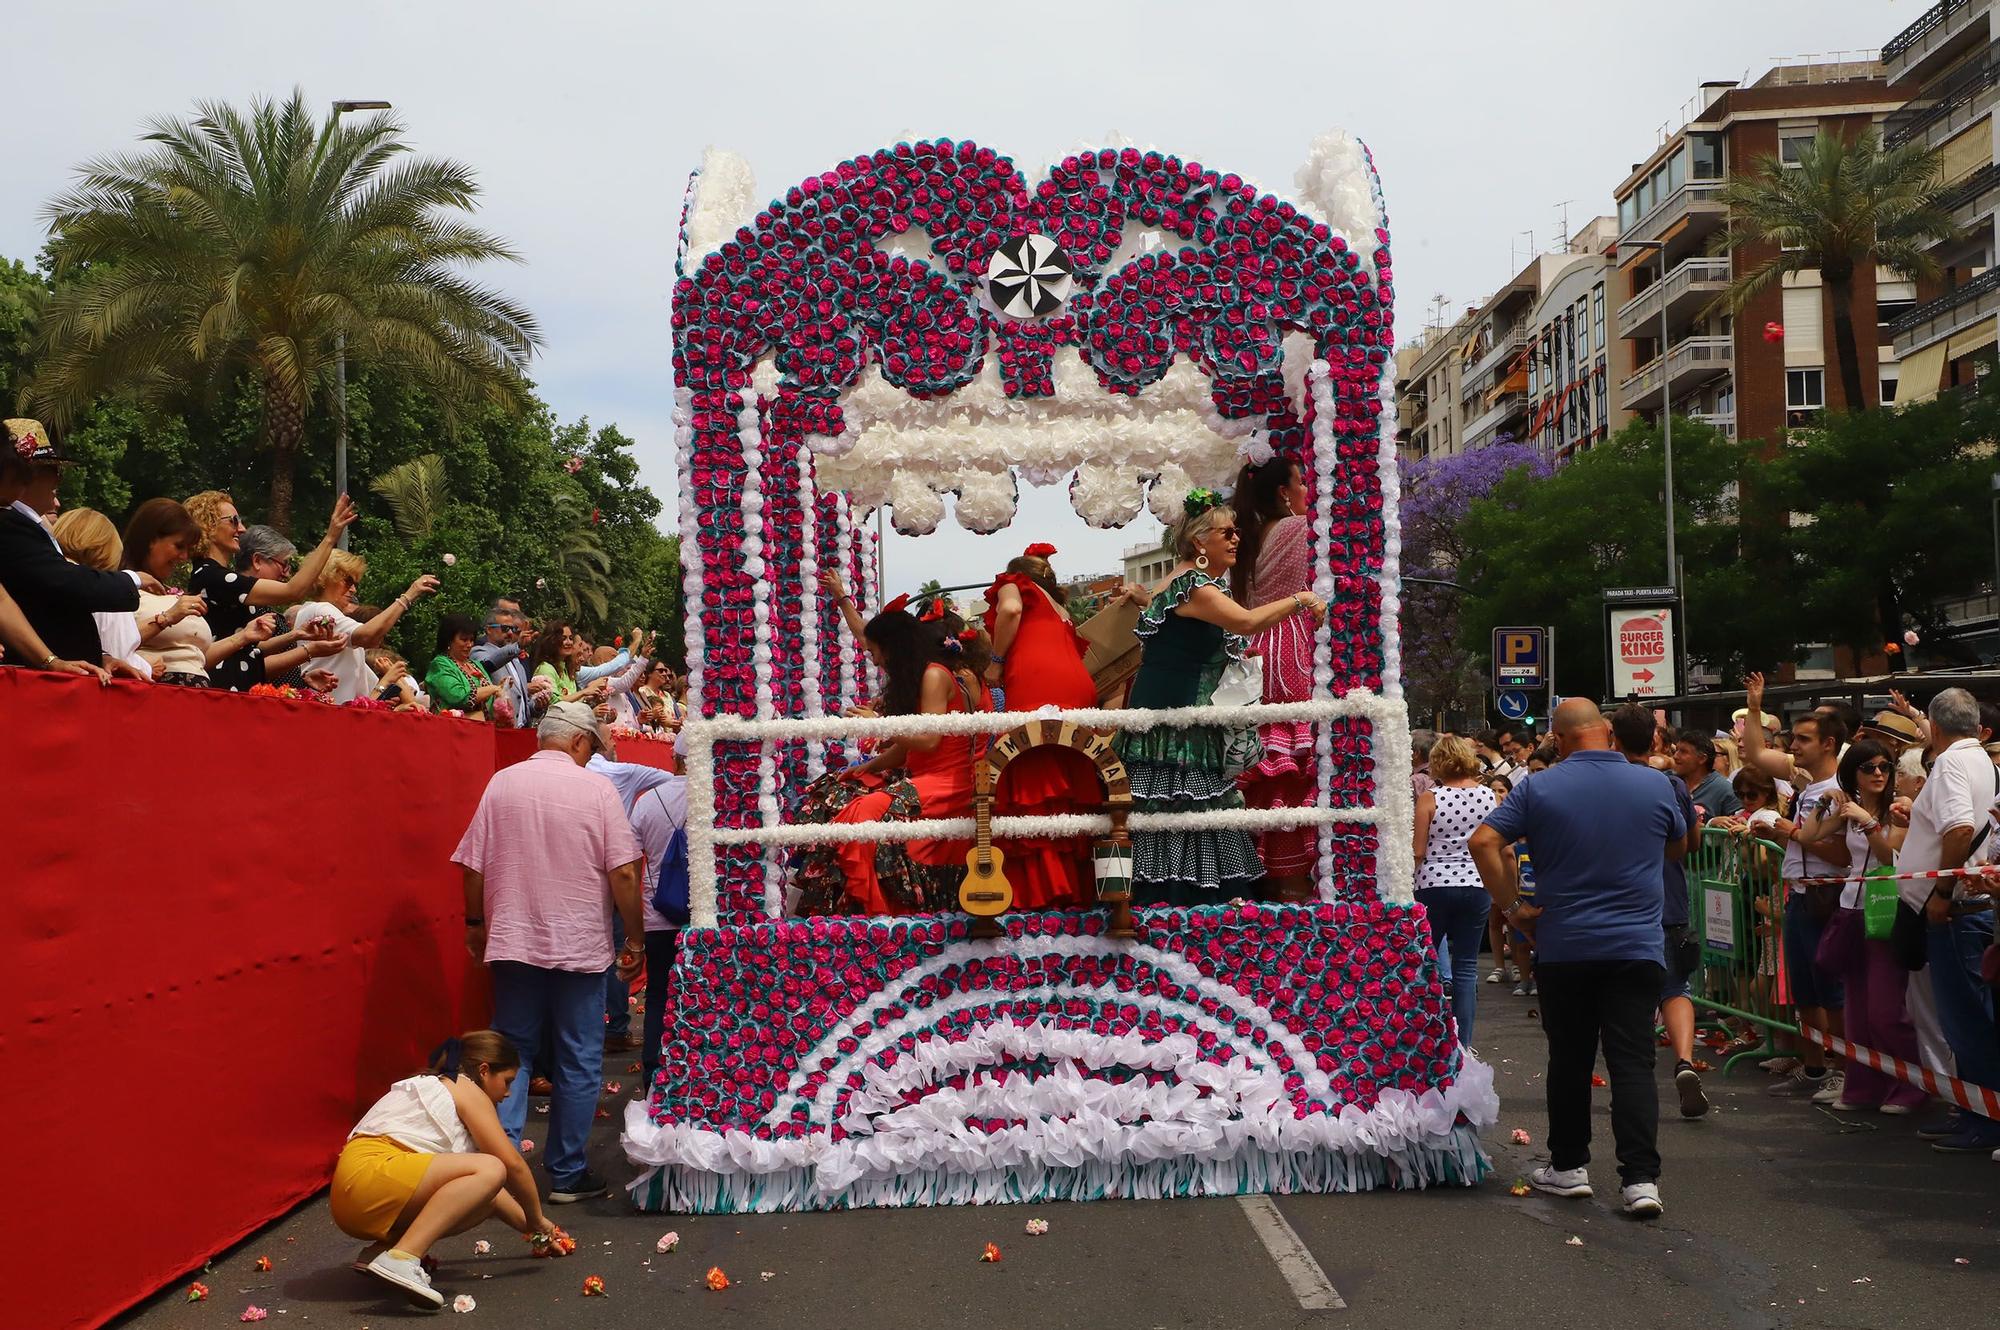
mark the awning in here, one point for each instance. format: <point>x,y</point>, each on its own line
<point>1919,374</point>
<point>1973,339</point>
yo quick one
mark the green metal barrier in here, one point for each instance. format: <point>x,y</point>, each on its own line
<point>1736,912</point>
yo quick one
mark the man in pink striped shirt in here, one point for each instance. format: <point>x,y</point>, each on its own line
<point>547,857</point>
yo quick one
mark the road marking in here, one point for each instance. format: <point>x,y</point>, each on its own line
<point>1310,1285</point>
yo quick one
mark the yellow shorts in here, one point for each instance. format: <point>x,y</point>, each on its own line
<point>373,1181</point>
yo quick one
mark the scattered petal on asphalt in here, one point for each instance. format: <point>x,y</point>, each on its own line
<point>717,1281</point>
<point>1037,1227</point>
<point>767,1275</point>
<point>1520,1188</point>
<point>253,1313</point>
<point>481,1247</point>
<point>463,1303</point>
<point>263,1263</point>
<point>1520,1137</point>
<point>1572,1241</point>
<point>667,1242</point>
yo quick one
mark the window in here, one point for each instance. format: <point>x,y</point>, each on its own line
<point>1676,169</point>
<point>1893,300</point>
<point>1805,393</point>
<point>1888,385</point>
<point>1791,142</point>
<point>1704,156</point>
<point>1628,211</point>
<point>1583,326</point>
<point>1597,312</point>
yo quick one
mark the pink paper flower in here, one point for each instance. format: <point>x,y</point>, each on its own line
<point>253,1313</point>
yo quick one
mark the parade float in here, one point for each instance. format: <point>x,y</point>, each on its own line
<point>923,329</point>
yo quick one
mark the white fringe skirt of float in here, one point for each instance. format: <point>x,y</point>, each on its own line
<point>1407,1141</point>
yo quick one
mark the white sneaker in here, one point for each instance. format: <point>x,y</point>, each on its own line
<point>366,1256</point>
<point>1570,1182</point>
<point>1493,978</point>
<point>1831,1090</point>
<point>409,1276</point>
<point>1642,1200</point>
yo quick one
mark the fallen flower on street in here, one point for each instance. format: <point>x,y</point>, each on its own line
<point>1572,1242</point>
<point>593,1286</point>
<point>481,1247</point>
<point>991,1255</point>
<point>1520,1188</point>
<point>1520,1137</point>
<point>717,1281</point>
<point>197,1292</point>
<point>263,1263</point>
<point>1598,1081</point>
<point>667,1242</point>
<point>1037,1227</point>
<point>463,1303</point>
<point>253,1313</point>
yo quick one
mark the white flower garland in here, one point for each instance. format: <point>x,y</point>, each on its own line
<point>1336,185</point>
<point>844,551</point>
<point>723,200</point>
<point>690,520</point>
<point>701,733</point>
<point>809,592</point>
<point>749,432</point>
<point>1043,825</point>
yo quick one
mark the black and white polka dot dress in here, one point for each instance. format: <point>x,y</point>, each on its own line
<point>229,609</point>
<point>1447,863</point>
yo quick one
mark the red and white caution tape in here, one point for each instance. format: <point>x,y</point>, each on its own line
<point>1972,1098</point>
<point>1970,870</point>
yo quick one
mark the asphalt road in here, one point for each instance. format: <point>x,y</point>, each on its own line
<point>1777,1214</point>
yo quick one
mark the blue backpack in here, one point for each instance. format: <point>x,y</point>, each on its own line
<point>670,889</point>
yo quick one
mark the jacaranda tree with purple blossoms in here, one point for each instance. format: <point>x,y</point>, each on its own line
<point>1439,673</point>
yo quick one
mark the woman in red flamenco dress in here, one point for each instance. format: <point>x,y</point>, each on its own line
<point>917,777</point>
<point>1039,659</point>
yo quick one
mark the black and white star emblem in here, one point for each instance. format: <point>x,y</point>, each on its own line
<point>1029,277</point>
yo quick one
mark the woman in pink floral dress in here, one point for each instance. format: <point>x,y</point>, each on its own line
<point>1270,503</point>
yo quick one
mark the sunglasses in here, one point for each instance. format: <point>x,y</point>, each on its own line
<point>1229,533</point>
<point>235,521</point>
<point>1874,768</point>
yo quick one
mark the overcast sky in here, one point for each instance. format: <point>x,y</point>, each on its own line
<point>583,120</point>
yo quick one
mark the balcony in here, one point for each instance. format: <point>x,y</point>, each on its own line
<point>1940,34</point>
<point>1684,290</point>
<point>1510,407</point>
<point>1722,420</point>
<point>1950,314</point>
<point>1698,203</point>
<point>1946,111</point>
<point>1973,198</point>
<point>1693,360</point>
<point>1489,367</point>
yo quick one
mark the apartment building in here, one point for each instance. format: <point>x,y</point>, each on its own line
<point>1428,375</point>
<point>1706,363</point>
<point>1572,361</point>
<point>1946,68</point>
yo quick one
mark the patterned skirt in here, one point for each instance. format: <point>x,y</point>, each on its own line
<point>1185,771</point>
<point>907,884</point>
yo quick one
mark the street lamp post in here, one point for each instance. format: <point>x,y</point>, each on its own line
<point>341,108</point>
<point>1666,407</point>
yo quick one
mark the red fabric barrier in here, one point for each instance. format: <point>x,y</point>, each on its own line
<point>231,923</point>
<point>648,753</point>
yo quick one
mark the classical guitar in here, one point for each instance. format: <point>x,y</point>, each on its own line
<point>985,891</point>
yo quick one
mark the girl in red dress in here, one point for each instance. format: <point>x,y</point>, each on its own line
<point>922,776</point>
<point>1039,658</point>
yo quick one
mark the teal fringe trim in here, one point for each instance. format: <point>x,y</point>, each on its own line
<point>1455,1160</point>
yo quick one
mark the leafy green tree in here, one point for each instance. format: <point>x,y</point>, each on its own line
<point>1890,517</point>
<point>1845,208</point>
<point>1541,550</point>
<point>21,295</point>
<point>257,243</point>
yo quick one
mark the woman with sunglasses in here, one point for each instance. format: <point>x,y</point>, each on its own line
<point>1875,981</point>
<point>236,593</point>
<point>1189,634</point>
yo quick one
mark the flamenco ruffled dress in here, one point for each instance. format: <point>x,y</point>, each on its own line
<point>1044,667</point>
<point>895,877</point>
<point>1287,774</point>
<point>1185,769</point>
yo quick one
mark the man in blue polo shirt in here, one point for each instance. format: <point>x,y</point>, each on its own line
<point>1600,830</point>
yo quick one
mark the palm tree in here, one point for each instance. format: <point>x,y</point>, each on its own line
<point>585,563</point>
<point>258,243</point>
<point>1847,206</point>
<point>415,492</point>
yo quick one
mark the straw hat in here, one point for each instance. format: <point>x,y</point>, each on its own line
<point>1895,727</point>
<point>1769,721</point>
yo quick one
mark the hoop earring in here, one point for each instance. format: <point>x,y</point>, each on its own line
<point>1200,562</point>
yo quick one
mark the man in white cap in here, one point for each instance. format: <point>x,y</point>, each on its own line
<point>548,856</point>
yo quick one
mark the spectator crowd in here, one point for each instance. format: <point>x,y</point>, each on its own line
<point>190,595</point>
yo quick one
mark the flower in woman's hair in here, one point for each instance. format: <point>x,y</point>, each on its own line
<point>1199,501</point>
<point>1041,549</point>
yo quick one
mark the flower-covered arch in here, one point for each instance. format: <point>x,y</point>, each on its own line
<point>924,324</point>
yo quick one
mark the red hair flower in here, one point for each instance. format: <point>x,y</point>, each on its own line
<point>933,611</point>
<point>1041,549</point>
<point>898,605</point>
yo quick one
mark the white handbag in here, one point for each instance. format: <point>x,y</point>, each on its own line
<point>1241,684</point>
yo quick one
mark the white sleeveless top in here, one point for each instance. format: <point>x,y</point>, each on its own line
<point>419,1113</point>
<point>1447,862</point>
